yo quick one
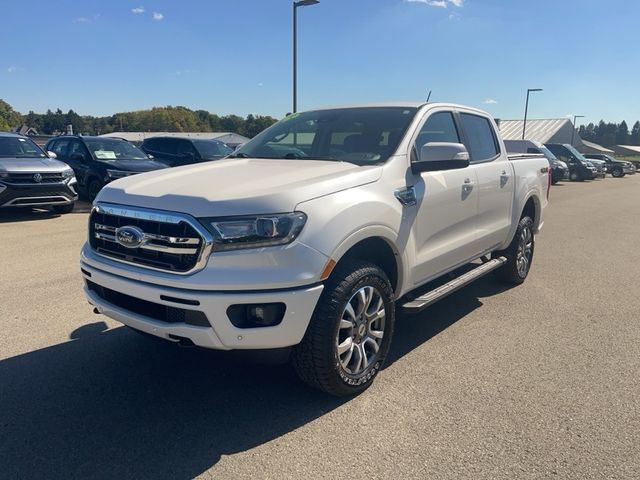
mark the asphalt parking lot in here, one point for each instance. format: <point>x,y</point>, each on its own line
<point>539,381</point>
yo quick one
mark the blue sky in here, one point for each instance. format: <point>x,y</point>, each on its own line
<point>234,56</point>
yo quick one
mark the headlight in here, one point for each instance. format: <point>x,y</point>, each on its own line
<point>66,174</point>
<point>234,233</point>
<point>113,174</point>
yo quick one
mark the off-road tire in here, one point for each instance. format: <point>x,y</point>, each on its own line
<point>93,189</point>
<point>316,359</point>
<point>510,273</point>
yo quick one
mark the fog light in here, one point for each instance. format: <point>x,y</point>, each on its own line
<point>256,315</point>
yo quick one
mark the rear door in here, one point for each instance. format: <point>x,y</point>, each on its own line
<point>445,228</point>
<point>495,179</point>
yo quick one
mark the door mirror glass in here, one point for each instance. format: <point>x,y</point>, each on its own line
<point>436,156</point>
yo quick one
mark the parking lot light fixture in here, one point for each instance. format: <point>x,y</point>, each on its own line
<point>296,4</point>
<point>526,108</point>
<point>573,130</point>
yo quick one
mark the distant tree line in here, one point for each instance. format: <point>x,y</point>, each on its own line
<point>610,134</point>
<point>158,119</point>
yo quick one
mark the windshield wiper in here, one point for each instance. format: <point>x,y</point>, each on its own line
<point>238,155</point>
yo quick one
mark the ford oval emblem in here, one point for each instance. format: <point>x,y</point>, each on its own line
<point>129,237</point>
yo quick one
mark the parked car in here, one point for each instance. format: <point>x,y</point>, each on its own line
<point>175,151</point>
<point>559,169</point>
<point>29,178</point>
<point>617,168</point>
<point>98,160</point>
<point>580,168</point>
<point>265,250</point>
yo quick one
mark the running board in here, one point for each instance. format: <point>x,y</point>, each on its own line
<point>442,291</point>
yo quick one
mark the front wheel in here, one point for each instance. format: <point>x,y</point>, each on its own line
<point>62,209</point>
<point>617,173</point>
<point>519,254</point>
<point>349,335</point>
<point>93,189</point>
<point>575,177</point>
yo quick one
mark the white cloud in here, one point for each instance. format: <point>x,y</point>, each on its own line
<point>490,101</point>
<point>157,16</point>
<point>261,84</point>
<point>184,72</point>
<point>439,3</point>
<point>137,10</point>
<point>82,20</point>
<point>13,69</point>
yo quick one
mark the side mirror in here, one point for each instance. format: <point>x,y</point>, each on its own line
<point>151,157</point>
<point>51,154</point>
<point>436,156</point>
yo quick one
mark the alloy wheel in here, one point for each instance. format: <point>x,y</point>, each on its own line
<point>525,251</point>
<point>361,330</point>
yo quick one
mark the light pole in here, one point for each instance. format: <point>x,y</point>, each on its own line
<point>296,4</point>
<point>573,130</point>
<point>526,108</point>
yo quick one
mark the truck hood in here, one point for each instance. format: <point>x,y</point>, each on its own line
<point>31,165</point>
<point>237,186</point>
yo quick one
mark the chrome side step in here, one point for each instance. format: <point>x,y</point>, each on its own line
<point>442,291</point>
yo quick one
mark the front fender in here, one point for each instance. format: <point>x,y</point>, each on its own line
<point>339,221</point>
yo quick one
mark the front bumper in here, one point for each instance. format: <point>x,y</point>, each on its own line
<point>221,334</point>
<point>37,195</point>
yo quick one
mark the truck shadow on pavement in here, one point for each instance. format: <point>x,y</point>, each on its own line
<point>111,404</point>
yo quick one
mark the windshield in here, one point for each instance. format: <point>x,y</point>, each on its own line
<point>19,147</point>
<point>114,150</point>
<point>576,153</point>
<point>364,136</point>
<point>210,149</point>
<point>547,153</point>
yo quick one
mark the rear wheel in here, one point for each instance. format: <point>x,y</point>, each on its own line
<point>519,254</point>
<point>350,333</point>
<point>618,173</point>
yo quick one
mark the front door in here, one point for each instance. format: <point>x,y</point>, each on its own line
<point>445,231</point>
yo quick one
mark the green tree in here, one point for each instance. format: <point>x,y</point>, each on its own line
<point>622,134</point>
<point>635,134</point>
<point>9,118</point>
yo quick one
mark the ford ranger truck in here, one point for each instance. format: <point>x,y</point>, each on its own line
<point>312,234</point>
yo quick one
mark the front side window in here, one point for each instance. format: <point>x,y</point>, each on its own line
<point>439,127</point>
<point>480,136</point>
<point>19,147</point>
<point>364,136</point>
<point>77,148</point>
<point>186,148</point>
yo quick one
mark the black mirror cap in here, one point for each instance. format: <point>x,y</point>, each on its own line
<point>436,166</point>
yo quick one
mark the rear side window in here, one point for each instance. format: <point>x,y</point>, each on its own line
<point>480,136</point>
<point>439,127</point>
<point>165,145</point>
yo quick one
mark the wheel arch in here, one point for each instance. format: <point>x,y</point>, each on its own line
<point>376,245</point>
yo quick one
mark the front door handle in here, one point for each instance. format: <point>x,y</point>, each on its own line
<point>504,178</point>
<point>468,185</point>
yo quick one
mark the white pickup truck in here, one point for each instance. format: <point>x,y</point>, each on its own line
<point>312,234</point>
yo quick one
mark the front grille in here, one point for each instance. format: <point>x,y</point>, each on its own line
<point>28,178</point>
<point>174,247</point>
<point>152,310</point>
